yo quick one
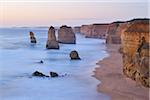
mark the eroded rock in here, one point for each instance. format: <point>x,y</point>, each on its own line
<point>74,55</point>
<point>52,42</point>
<point>38,74</point>
<point>53,74</point>
<point>32,37</point>
<point>66,35</point>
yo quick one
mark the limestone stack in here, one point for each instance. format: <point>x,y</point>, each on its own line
<point>135,43</point>
<point>66,35</point>
<point>32,37</point>
<point>52,42</point>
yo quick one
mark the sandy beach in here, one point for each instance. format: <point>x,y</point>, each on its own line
<point>113,82</point>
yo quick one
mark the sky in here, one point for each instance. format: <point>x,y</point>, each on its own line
<point>69,12</point>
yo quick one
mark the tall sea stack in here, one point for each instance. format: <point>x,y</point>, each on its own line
<point>52,42</point>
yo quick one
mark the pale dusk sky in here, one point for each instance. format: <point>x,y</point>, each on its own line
<point>71,12</point>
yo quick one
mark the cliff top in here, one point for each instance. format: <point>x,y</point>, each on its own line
<point>140,26</point>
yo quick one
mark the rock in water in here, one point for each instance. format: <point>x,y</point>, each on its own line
<point>52,42</point>
<point>53,74</point>
<point>39,74</point>
<point>74,55</point>
<point>66,35</point>
<point>32,38</point>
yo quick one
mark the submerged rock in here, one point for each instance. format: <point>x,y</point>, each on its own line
<point>52,42</point>
<point>66,35</point>
<point>74,55</point>
<point>53,74</point>
<point>32,37</point>
<point>39,74</point>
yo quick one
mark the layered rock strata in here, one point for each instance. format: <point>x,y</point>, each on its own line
<point>135,51</point>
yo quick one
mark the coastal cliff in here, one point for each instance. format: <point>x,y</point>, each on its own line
<point>135,51</point>
<point>94,30</point>
<point>114,32</point>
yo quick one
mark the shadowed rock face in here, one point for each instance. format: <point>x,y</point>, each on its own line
<point>114,32</point>
<point>66,35</point>
<point>76,29</point>
<point>52,42</point>
<point>95,30</point>
<point>32,38</point>
<point>74,55</point>
<point>135,43</point>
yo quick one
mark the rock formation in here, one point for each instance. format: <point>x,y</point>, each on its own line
<point>74,55</point>
<point>38,74</point>
<point>114,31</point>
<point>52,42</point>
<point>135,51</point>
<point>53,74</point>
<point>94,30</point>
<point>66,35</point>
<point>32,37</point>
<point>76,29</point>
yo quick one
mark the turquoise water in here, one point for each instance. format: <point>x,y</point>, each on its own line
<point>19,58</point>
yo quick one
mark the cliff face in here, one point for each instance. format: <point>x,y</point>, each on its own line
<point>135,43</point>
<point>66,35</point>
<point>114,32</point>
<point>94,31</point>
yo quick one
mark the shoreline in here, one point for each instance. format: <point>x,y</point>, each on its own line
<point>112,81</point>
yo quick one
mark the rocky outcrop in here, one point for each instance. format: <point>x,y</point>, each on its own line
<point>52,42</point>
<point>76,29</point>
<point>32,37</point>
<point>39,74</point>
<point>74,55</point>
<point>53,74</point>
<point>66,35</point>
<point>94,30</point>
<point>135,50</point>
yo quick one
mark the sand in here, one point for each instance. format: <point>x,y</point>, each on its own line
<point>113,82</point>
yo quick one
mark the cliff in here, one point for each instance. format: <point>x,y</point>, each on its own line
<point>114,31</point>
<point>94,30</point>
<point>135,51</point>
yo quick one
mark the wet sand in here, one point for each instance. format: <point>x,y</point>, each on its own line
<point>113,82</point>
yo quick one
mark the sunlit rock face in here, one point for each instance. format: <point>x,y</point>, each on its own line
<point>52,42</point>
<point>76,29</point>
<point>32,37</point>
<point>66,35</point>
<point>94,30</point>
<point>135,51</point>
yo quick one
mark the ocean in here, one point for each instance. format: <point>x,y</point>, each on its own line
<point>19,59</point>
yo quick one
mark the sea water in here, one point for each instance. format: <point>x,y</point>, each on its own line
<point>19,59</point>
